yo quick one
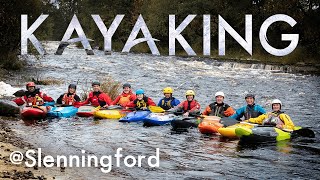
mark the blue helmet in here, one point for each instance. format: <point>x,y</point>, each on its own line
<point>139,91</point>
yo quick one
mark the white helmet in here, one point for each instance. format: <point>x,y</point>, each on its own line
<point>276,101</point>
<point>220,93</point>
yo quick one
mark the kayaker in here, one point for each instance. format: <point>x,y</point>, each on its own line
<point>168,101</point>
<point>125,97</point>
<point>70,97</point>
<point>141,102</point>
<point>33,96</point>
<point>277,117</point>
<point>97,97</point>
<point>189,106</point>
<point>219,108</point>
<point>251,110</point>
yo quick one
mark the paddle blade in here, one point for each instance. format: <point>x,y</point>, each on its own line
<point>303,132</point>
<point>227,121</point>
<point>156,109</point>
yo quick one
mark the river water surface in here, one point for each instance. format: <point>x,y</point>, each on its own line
<point>186,155</point>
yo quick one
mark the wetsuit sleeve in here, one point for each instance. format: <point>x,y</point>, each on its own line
<point>230,111</point>
<point>59,100</point>
<point>261,110</point>
<point>207,111</point>
<point>176,102</point>
<point>116,100</point>
<point>239,113</point>
<point>159,103</point>
<point>47,98</point>
<point>259,119</point>
<point>288,124</point>
<point>150,102</point>
<point>133,97</point>
<point>19,101</point>
<point>107,99</point>
<point>77,98</point>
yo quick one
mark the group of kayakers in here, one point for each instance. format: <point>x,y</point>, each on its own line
<point>250,113</point>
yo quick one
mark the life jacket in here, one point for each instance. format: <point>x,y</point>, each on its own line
<point>273,119</point>
<point>218,109</point>
<point>250,112</point>
<point>33,98</point>
<point>124,100</point>
<point>188,105</point>
<point>166,105</point>
<point>141,103</point>
<point>68,100</point>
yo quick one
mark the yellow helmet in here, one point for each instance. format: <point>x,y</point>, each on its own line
<point>167,90</point>
<point>190,93</point>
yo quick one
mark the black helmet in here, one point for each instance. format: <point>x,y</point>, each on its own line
<point>249,95</point>
<point>72,86</point>
<point>95,83</point>
<point>126,85</point>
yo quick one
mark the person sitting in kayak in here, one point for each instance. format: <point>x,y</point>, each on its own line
<point>125,97</point>
<point>277,117</point>
<point>168,102</point>
<point>97,97</point>
<point>70,97</point>
<point>189,106</point>
<point>219,108</point>
<point>141,102</point>
<point>251,110</point>
<point>33,96</point>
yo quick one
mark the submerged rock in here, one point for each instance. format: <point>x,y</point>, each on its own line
<point>8,108</point>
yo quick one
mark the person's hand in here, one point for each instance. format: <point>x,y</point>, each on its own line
<point>105,106</point>
<point>280,126</point>
<point>144,108</point>
<point>186,114</point>
<point>246,120</point>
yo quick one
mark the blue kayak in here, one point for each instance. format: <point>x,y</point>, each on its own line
<point>158,119</point>
<point>135,116</point>
<point>65,112</point>
<point>48,103</point>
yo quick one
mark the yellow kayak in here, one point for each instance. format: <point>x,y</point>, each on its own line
<point>230,131</point>
<point>109,114</point>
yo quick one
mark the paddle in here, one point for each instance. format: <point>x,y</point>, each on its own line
<point>227,121</point>
<point>303,132</point>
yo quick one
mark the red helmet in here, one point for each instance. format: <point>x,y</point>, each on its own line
<point>30,84</point>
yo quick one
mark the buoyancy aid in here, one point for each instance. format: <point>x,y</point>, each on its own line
<point>166,105</point>
<point>124,100</point>
<point>250,112</point>
<point>34,98</point>
<point>188,105</point>
<point>218,109</point>
<point>141,103</point>
<point>68,100</point>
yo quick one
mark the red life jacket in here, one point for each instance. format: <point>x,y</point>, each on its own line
<point>187,105</point>
<point>124,100</point>
<point>36,100</point>
<point>68,100</point>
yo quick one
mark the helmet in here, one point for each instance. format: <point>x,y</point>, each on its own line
<point>249,95</point>
<point>220,93</point>
<point>167,90</point>
<point>139,91</point>
<point>276,101</point>
<point>190,93</point>
<point>95,83</point>
<point>72,86</point>
<point>29,84</point>
<point>126,85</point>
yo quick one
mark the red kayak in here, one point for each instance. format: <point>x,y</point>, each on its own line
<point>30,115</point>
<point>86,111</point>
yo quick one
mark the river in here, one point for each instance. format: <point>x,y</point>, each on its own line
<point>187,155</point>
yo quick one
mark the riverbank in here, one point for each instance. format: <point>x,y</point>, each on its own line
<point>9,143</point>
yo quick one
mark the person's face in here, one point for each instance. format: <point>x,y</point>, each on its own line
<point>167,95</point>
<point>96,88</point>
<point>126,90</point>
<point>31,88</point>
<point>249,100</point>
<point>139,96</point>
<point>72,90</point>
<point>190,98</point>
<point>276,107</point>
<point>219,99</point>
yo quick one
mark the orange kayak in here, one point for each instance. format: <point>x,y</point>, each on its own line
<point>210,125</point>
